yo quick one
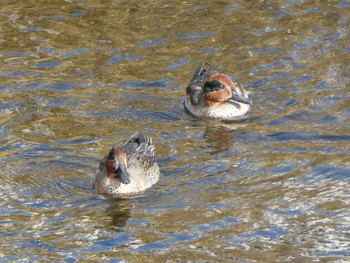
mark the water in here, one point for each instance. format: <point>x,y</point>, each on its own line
<point>77,77</point>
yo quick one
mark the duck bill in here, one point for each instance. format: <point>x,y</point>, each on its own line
<point>123,176</point>
<point>239,98</point>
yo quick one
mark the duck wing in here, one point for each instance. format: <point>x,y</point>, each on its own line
<point>139,144</point>
<point>140,151</point>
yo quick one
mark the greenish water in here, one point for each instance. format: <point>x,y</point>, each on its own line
<point>77,77</point>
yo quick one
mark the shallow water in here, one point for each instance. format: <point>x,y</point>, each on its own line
<point>77,77</point>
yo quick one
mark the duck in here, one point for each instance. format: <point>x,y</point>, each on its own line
<point>213,94</point>
<point>129,167</point>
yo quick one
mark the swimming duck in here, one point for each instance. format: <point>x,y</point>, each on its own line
<point>129,167</point>
<point>212,94</point>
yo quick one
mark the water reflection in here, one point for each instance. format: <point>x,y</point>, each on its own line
<point>221,137</point>
<point>77,77</point>
<point>119,211</point>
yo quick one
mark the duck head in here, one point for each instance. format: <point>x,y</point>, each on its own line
<point>116,164</point>
<point>220,88</point>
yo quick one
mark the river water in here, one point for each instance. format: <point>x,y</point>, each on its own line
<point>79,76</point>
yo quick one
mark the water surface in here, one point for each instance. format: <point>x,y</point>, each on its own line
<point>77,77</point>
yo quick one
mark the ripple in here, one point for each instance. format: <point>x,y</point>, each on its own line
<point>209,50</point>
<point>178,63</point>
<point>267,30</point>
<point>195,35</point>
<point>314,10</point>
<point>267,67</point>
<point>305,136</point>
<point>48,64</point>
<point>78,14</point>
<point>120,58</point>
<point>78,141</point>
<point>162,83</point>
<point>343,4</point>
<point>33,28</point>
<point>152,43</point>
<point>265,51</point>
<point>76,52</point>
<point>58,17</point>
<point>271,78</point>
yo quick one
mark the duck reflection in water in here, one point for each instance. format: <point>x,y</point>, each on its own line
<point>219,138</point>
<point>119,211</point>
